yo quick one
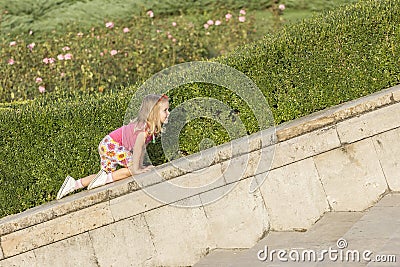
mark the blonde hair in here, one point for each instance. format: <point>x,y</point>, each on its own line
<point>149,114</point>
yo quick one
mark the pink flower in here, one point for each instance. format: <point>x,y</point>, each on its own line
<point>217,22</point>
<point>113,52</point>
<point>158,31</point>
<point>228,16</point>
<point>101,54</point>
<point>242,12</point>
<point>242,19</point>
<point>66,48</point>
<point>150,13</point>
<point>60,57</point>
<point>79,34</point>
<point>49,60</point>
<point>42,89</point>
<point>13,43</point>
<point>38,80</point>
<point>281,7</point>
<point>62,74</point>
<point>206,26</point>
<point>110,25</point>
<point>210,22</point>
<point>125,30</point>
<point>31,46</point>
<point>169,36</point>
<point>68,56</point>
<point>174,24</point>
<point>11,61</point>
<point>174,40</point>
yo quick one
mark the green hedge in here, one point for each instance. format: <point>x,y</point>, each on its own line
<point>329,59</point>
<point>309,66</point>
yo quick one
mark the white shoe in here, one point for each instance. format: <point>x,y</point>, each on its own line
<point>99,180</point>
<point>67,187</point>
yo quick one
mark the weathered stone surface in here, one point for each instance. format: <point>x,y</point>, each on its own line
<point>396,95</point>
<point>178,244</point>
<point>369,124</point>
<point>363,105</point>
<point>294,196</point>
<point>25,219</point>
<point>124,243</point>
<point>56,229</point>
<point>387,146</point>
<point>236,218</point>
<point>132,204</point>
<point>208,178</point>
<point>242,166</point>
<point>27,259</point>
<point>187,185</point>
<point>305,146</point>
<point>122,187</point>
<point>291,131</point>
<point>74,251</point>
<point>352,177</point>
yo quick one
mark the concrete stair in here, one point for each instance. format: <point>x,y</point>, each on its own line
<point>376,229</point>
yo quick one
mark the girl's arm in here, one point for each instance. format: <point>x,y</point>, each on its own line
<point>136,166</point>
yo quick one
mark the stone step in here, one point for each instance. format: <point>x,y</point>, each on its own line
<point>376,230</point>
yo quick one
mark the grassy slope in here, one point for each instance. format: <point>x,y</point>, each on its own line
<point>46,15</point>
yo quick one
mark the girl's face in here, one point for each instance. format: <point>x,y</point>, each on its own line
<point>164,111</point>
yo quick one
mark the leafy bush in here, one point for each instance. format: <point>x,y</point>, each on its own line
<point>329,59</point>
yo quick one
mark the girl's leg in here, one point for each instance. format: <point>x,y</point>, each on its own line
<point>86,180</point>
<point>121,174</point>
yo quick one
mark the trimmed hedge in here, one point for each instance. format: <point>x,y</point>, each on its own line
<point>326,60</point>
<point>323,61</point>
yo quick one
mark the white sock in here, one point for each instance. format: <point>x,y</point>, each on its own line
<point>109,178</point>
<point>78,184</point>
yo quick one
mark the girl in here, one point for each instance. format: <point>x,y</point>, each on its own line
<point>125,146</point>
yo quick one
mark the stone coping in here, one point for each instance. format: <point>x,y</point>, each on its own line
<point>212,156</point>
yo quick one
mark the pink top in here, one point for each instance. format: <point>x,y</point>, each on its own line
<point>126,136</point>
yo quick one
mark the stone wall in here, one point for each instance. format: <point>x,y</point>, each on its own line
<point>341,159</point>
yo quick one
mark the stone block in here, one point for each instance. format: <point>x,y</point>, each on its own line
<point>27,259</point>
<point>179,234</point>
<point>236,218</point>
<point>387,146</point>
<point>244,166</point>
<point>74,251</point>
<point>369,124</point>
<point>56,229</point>
<point>294,196</point>
<point>352,176</point>
<point>132,204</point>
<point>305,146</point>
<point>389,200</point>
<point>187,185</point>
<point>396,94</point>
<point>124,243</point>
